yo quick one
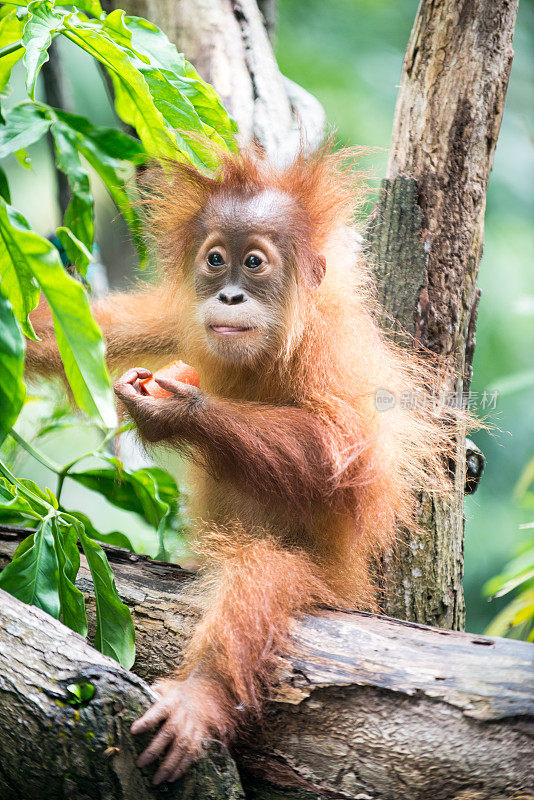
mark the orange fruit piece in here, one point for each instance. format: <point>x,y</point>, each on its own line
<point>176,371</point>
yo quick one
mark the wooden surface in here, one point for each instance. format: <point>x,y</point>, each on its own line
<point>51,749</point>
<point>365,706</point>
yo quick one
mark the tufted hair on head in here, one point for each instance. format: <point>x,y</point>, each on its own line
<point>324,188</point>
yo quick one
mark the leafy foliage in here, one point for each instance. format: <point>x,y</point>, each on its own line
<point>79,339</point>
<point>12,388</point>
<point>174,114</point>
<point>79,694</point>
<point>115,635</point>
<point>44,568</point>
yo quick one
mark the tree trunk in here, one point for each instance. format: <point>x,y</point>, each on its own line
<point>269,12</point>
<point>426,237</point>
<point>229,45</point>
<point>365,706</point>
<point>53,73</point>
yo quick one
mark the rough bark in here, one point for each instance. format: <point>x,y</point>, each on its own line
<point>427,236</point>
<point>54,748</point>
<point>365,706</point>
<point>228,43</point>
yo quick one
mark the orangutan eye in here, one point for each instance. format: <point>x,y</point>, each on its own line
<point>215,260</point>
<point>253,262</point>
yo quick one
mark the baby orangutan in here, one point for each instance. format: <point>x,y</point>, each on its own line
<point>299,482</point>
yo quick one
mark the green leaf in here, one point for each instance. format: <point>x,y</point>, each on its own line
<point>114,538</point>
<point>143,490</point>
<point>104,148</point>
<point>526,612</point>
<point>198,100</point>
<point>44,23</point>
<point>165,485</point>
<point>116,186</point>
<point>24,125</point>
<point>91,7</point>
<point>78,337</point>
<point>80,211</point>
<point>503,584</point>
<point>23,158</point>
<point>32,576</point>
<point>13,502</point>
<point>72,601</point>
<point>133,101</point>
<point>18,281</point>
<point>115,634</point>
<point>12,389</point>
<point>76,251</point>
<point>11,28</point>
<point>109,142</point>
<point>27,496</point>
<point>26,544</point>
<point>79,694</point>
<point>154,88</point>
<point>520,608</point>
<point>525,554</point>
<point>4,186</point>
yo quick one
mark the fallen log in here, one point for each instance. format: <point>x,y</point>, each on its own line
<point>365,706</point>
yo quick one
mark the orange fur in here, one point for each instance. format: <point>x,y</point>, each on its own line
<point>334,358</point>
<point>251,587</point>
<point>300,483</point>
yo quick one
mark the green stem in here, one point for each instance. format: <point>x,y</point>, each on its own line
<point>60,481</point>
<point>64,471</point>
<point>40,457</point>
<point>162,554</point>
<point>24,491</point>
<point>11,48</point>
<point>110,435</point>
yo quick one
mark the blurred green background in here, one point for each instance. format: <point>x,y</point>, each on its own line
<point>349,54</point>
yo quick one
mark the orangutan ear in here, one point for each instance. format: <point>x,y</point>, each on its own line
<point>316,270</point>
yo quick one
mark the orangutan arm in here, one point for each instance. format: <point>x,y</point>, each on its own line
<point>282,453</point>
<point>137,326</point>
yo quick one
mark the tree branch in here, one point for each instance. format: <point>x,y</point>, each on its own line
<point>365,706</point>
<point>53,747</point>
<point>53,76</point>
